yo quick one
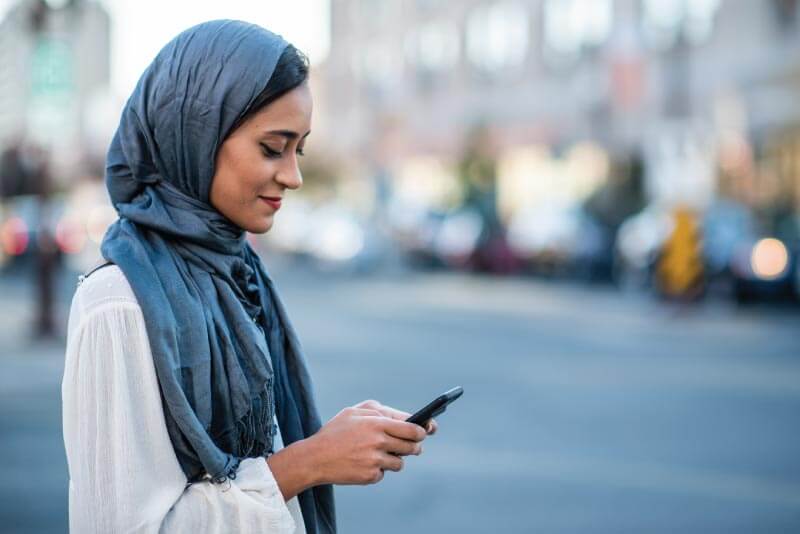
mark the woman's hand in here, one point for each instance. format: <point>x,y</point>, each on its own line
<point>360,443</point>
<point>387,411</point>
<point>355,447</point>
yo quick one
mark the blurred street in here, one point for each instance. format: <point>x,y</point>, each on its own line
<point>585,410</point>
<point>584,212</point>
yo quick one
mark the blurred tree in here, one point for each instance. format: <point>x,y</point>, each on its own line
<point>611,204</point>
<point>477,172</point>
<point>621,196</point>
<point>785,12</point>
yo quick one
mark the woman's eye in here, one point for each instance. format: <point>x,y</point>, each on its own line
<point>275,154</point>
<point>269,152</point>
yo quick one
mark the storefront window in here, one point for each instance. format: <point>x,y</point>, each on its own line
<point>433,46</point>
<point>571,26</point>
<point>665,19</point>
<point>498,36</point>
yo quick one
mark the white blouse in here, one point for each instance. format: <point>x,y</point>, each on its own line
<point>124,475</point>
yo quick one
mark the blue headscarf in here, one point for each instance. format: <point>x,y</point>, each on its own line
<point>225,353</point>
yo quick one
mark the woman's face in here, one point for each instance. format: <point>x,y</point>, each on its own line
<point>257,162</point>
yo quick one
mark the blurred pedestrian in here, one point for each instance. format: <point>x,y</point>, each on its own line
<point>24,170</point>
<point>12,171</point>
<point>41,184</point>
<point>188,405</point>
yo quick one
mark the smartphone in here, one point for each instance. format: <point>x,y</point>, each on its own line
<point>436,406</point>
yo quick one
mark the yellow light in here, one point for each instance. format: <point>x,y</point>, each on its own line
<point>769,259</point>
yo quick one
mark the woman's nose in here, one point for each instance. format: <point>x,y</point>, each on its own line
<point>290,176</point>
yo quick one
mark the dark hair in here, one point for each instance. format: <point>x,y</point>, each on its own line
<point>290,72</point>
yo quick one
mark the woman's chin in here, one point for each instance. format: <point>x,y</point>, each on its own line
<point>262,226</point>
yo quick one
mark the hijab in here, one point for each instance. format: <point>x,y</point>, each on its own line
<point>226,356</point>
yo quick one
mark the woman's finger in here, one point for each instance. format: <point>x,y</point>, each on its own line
<point>386,411</point>
<point>431,427</point>
<point>365,412</point>
<point>368,404</point>
<point>390,462</point>
<point>402,447</point>
<point>402,429</point>
<point>395,413</point>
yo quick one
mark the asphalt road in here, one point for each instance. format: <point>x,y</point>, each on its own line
<point>584,410</point>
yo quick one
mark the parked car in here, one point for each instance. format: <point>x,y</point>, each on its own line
<point>559,240</point>
<point>764,269</point>
<point>23,220</point>
<point>639,240</point>
<point>330,236</point>
<point>739,258</point>
<point>436,239</point>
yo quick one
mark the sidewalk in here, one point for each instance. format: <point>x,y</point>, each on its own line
<point>17,312</point>
<point>33,497</point>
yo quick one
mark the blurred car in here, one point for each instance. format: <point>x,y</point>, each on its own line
<point>23,220</point>
<point>15,237</point>
<point>81,226</point>
<point>558,240</point>
<point>749,263</point>
<point>329,236</point>
<point>726,225</point>
<point>430,238</point>
<point>456,239</point>
<point>76,221</point>
<point>739,259</point>
<point>639,240</point>
<point>764,269</point>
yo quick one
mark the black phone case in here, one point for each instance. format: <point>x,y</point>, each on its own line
<point>436,406</point>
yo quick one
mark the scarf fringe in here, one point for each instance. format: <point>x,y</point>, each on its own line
<point>255,430</point>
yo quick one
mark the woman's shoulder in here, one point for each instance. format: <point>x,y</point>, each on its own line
<point>104,286</point>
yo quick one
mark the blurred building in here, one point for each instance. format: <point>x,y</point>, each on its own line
<point>689,84</point>
<point>54,59</point>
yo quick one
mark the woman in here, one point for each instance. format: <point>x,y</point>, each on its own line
<point>184,378</point>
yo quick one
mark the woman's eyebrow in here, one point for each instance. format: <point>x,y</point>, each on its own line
<point>288,134</point>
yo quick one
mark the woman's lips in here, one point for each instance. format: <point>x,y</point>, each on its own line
<point>275,202</point>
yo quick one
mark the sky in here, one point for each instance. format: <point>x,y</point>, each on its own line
<point>141,27</point>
